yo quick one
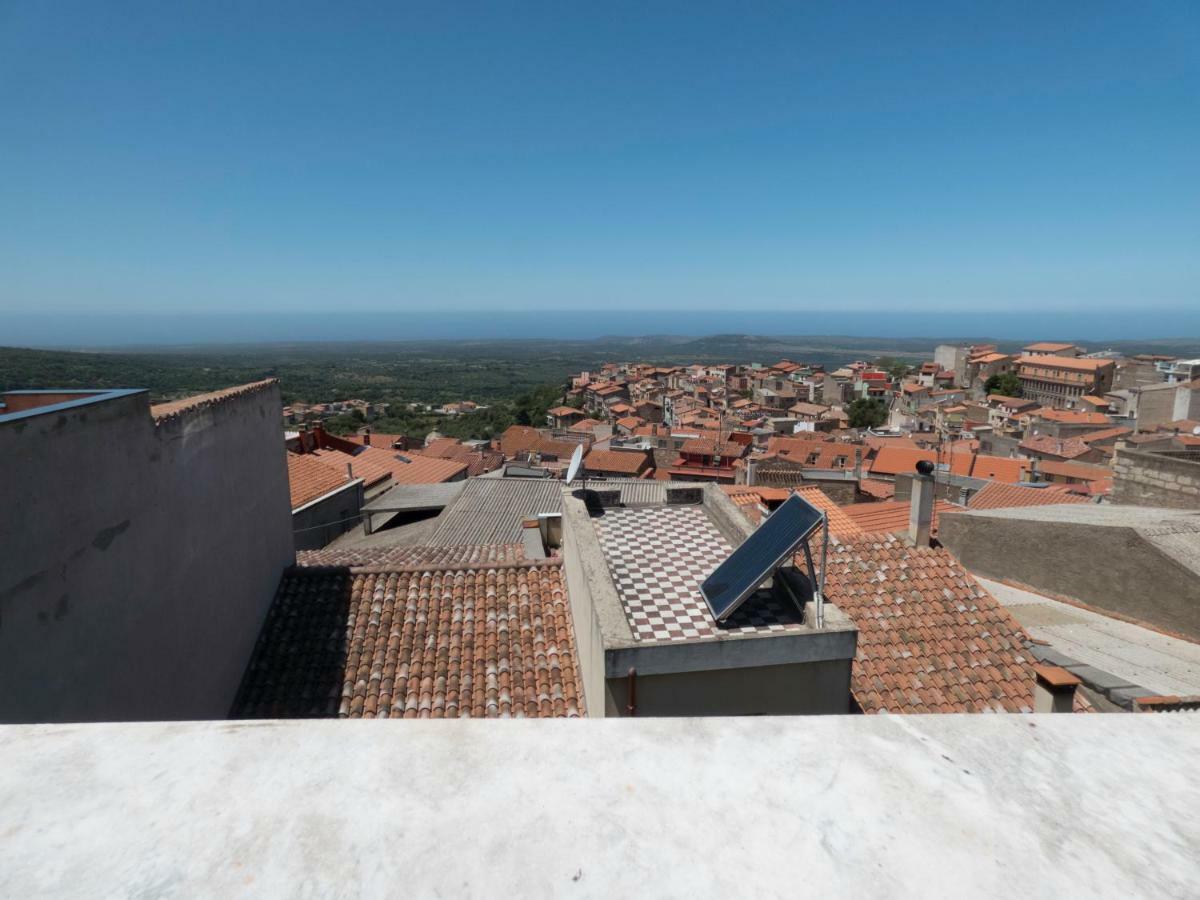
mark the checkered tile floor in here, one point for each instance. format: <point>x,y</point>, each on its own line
<point>658,557</point>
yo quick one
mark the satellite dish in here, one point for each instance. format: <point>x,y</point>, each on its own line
<point>576,464</point>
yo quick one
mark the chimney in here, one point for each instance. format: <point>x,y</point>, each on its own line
<point>366,436</point>
<point>1054,689</point>
<point>920,516</point>
<point>751,469</point>
<point>1034,475</point>
<point>531,539</point>
<point>858,463</point>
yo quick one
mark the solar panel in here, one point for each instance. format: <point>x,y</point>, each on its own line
<point>745,569</point>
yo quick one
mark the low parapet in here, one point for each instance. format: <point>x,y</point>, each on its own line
<point>162,412</point>
<point>18,405</point>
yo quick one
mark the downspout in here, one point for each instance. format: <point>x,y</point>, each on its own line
<point>631,706</point>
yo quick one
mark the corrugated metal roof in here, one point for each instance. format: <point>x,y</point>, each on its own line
<point>490,510</point>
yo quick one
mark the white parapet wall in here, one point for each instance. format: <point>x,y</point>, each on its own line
<point>880,806</point>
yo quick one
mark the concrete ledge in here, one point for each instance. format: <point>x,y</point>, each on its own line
<point>837,641</point>
<point>864,806</point>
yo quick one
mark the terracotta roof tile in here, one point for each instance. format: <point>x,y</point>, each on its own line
<point>628,461</point>
<point>880,490</point>
<point>1052,446</point>
<point>898,460</point>
<point>931,639</point>
<point>416,642</point>
<point>374,465</point>
<point>162,411</point>
<point>409,555</point>
<point>1004,496</point>
<point>309,479</point>
<point>1082,471</point>
<point>891,515</point>
<point>999,468</point>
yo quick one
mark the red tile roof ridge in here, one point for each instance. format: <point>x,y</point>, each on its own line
<point>162,412</point>
<point>480,566</point>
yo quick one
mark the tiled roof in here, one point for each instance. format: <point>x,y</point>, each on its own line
<point>1049,346</point>
<point>1010,402</point>
<point>374,465</point>
<point>897,460</point>
<point>309,479</point>
<point>880,490</point>
<point>710,447</point>
<point>585,426</point>
<point>999,468</point>
<point>891,515</point>
<point>416,642</point>
<point>520,439</point>
<point>564,411</point>
<point>409,555</point>
<point>1003,496</point>
<point>445,448</point>
<point>878,442</point>
<point>162,411</point>
<point>1052,446</point>
<point>1065,362</point>
<point>1106,434</point>
<point>376,439</point>
<point>930,638</point>
<point>625,461</point>
<point>1082,471</point>
<point>1072,416</point>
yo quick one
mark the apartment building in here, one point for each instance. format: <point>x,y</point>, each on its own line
<point>1053,380</point>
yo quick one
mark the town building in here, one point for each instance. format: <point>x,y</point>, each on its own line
<point>141,546</point>
<point>1057,380</point>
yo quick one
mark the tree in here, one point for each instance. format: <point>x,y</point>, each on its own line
<point>867,412</point>
<point>1006,384</point>
<point>895,368</point>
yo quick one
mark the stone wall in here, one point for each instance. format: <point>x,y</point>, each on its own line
<point>1157,479</point>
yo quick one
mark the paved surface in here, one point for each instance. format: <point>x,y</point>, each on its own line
<point>658,558</point>
<point>1141,656</point>
<point>828,806</point>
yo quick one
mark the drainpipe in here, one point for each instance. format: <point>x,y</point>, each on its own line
<point>631,706</point>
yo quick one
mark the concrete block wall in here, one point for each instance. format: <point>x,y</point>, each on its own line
<point>1153,479</point>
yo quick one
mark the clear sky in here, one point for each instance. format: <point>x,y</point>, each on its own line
<point>329,157</point>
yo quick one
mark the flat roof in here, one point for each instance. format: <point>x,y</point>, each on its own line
<point>416,497</point>
<point>874,806</point>
<point>658,557</point>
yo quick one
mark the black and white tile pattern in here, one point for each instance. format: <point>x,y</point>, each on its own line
<point>658,557</point>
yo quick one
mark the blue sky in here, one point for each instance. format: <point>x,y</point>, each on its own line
<point>321,158</point>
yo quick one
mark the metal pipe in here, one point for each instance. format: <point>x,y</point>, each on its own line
<point>631,706</point>
<point>824,556</point>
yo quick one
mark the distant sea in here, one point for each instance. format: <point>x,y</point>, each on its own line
<point>96,330</point>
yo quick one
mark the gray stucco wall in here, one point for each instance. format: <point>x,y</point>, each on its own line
<point>1108,567</point>
<point>797,689</point>
<point>318,523</point>
<point>138,560</point>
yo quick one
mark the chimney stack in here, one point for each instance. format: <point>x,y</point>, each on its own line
<point>531,539</point>
<point>366,437</point>
<point>1054,690</point>
<point>751,469</point>
<point>920,516</point>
